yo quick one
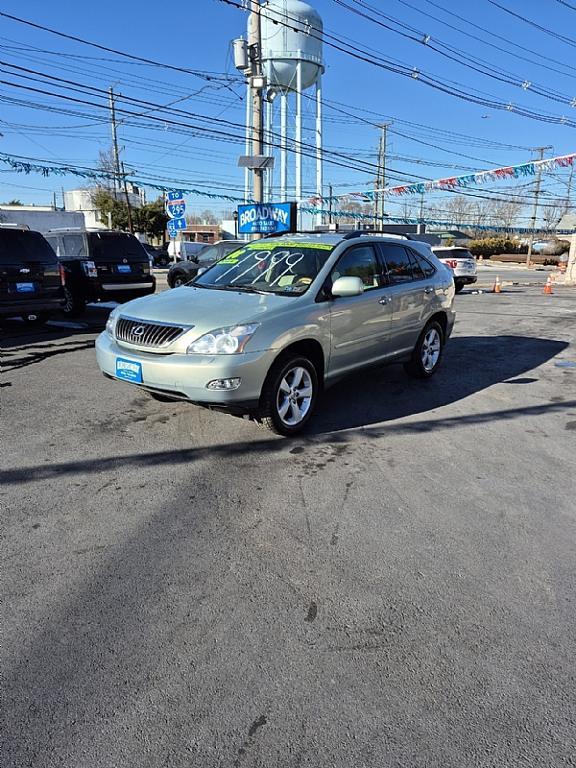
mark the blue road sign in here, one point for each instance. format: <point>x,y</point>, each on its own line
<point>174,225</point>
<point>264,218</point>
<point>175,204</point>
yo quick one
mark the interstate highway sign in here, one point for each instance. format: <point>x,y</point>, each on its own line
<point>175,205</point>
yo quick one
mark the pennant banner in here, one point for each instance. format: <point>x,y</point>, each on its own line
<point>454,182</point>
<point>310,206</point>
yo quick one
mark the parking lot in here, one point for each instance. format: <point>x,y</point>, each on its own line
<point>394,588</point>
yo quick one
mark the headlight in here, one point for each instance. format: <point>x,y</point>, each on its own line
<point>223,341</point>
<point>111,322</point>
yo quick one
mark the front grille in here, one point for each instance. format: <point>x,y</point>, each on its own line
<point>146,334</point>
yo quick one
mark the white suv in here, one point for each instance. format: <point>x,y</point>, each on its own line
<point>461,262</point>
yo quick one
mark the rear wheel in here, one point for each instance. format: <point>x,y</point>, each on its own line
<point>427,352</point>
<point>459,285</point>
<point>74,305</point>
<point>289,395</point>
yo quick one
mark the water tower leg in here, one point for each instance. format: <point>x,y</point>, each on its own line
<point>319,180</point>
<point>283,146</point>
<point>247,173</point>
<point>298,148</point>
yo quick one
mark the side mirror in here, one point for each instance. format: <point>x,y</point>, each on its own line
<point>201,271</point>
<point>347,286</point>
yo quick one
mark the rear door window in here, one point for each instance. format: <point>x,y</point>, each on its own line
<point>18,245</point>
<point>397,262</point>
<point>421,267</point>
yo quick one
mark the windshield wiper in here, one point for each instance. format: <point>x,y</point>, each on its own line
<point>245,289</point>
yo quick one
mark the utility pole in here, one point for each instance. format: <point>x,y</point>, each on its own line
<point>569,191</point>
<point>541,151</point>
<point>255,44</point>
<point>128,206</point>
<point>330,218</point>
<point>116,178</point>
<point>380,182</point>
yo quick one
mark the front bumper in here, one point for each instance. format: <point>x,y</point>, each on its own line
<point>186,376</point>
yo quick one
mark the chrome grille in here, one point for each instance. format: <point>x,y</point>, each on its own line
<point>145,334</point>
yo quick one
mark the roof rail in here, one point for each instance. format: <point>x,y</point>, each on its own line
<point>360,232</point>
<point>300,232</point>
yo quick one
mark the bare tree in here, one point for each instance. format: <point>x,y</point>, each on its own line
<point>506,213</point>
<point>407,210</point>
<point>458,210</point>
<point>552,213</point>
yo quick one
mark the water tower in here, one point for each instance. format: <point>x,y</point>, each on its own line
<point>291,60</point>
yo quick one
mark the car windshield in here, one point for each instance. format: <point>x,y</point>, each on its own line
<point>286,268</point>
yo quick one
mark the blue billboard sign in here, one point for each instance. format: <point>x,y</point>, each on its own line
<point>266,218</point>
<point>175,204</point>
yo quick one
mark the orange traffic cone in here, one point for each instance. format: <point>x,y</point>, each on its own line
<point>497,285</point>
<point>548,286</point>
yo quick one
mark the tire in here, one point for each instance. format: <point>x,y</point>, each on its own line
<point>427,353</point>
<point>459,285</point>
<point>74,305</point>
<point>283,407</point>
<point>39,318</point>
<point>178,279</point>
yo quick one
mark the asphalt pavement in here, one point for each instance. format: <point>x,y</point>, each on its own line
<point>396,588</point>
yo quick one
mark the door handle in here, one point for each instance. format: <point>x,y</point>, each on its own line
<point>428,289</point>
<point>384,300</point>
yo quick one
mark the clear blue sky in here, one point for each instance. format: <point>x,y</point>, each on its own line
<point>197,35</point>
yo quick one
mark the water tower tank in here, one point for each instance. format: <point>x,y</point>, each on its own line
<point>291,31</point>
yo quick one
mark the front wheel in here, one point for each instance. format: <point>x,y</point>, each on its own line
<point>178,279</point>
<point>289,395</point>
<point>427,352</point>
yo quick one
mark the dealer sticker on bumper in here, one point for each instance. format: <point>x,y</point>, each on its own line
<point>128,370</point>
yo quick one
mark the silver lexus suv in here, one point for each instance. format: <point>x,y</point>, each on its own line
<point>270,325</point>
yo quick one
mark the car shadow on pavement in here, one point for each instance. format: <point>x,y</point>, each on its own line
<point>470,364</point>
<point>377,402</point>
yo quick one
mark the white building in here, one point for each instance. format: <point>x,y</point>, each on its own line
<point>81,200</point>
<point>40,218</point>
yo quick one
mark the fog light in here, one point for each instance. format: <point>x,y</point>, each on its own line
<point>224,384</point>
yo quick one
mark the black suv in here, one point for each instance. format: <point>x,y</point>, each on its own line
<point>101,266</point>
<point>184,271</point>
<point>31,279</point>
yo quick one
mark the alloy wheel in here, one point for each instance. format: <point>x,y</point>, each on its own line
<point>294,397</point>
<point>430,352</point>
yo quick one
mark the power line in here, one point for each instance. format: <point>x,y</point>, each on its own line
<point>451,53</point>
<point>509,43</point>
<point>443,86</point>
<point>568,40</point>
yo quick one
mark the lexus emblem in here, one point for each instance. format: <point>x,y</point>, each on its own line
<point>138,331</point>
<point>125,261</point>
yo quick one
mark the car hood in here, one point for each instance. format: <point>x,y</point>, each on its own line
<point>205,309</point>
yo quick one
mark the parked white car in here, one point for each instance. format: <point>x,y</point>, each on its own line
<point>461,262</point>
